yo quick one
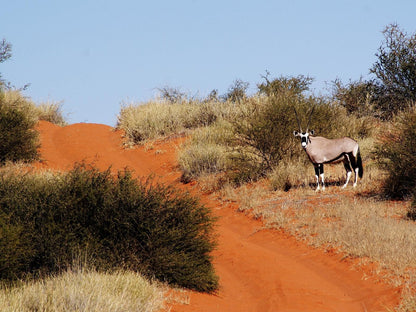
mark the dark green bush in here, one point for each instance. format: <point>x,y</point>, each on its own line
<point>116,221</point>
<point>263,136</point>
<point>18,138</point>
<point>396,152</point>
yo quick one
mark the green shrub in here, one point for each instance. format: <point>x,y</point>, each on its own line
<point>117,221</point>
<point>18,139</point>
<point>396,152</point>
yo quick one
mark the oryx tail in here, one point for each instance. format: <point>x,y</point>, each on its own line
<point>360,164</point>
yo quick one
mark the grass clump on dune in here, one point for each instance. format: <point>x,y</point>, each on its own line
<point>157,119</point>
<point>116,221</point>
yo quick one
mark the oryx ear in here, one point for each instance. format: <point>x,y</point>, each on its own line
<point>312,132</point>
<point>295,133</point>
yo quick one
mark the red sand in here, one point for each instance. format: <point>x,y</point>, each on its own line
<point>259,270</point>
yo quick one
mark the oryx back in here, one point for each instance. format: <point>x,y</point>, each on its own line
<point>322,150</point>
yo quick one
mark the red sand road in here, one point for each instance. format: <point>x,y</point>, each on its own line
<point>259,270</point>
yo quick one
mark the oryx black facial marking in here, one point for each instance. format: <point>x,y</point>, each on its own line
<point>321,151</point>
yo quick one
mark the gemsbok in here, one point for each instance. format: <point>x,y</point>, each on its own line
<point>322,151</point>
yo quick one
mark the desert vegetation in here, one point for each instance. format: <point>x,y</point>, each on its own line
<point>241,149</point>
<point>246,153</point>
<point>84,289</point>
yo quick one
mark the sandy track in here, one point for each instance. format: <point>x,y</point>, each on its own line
<point>260,270</point>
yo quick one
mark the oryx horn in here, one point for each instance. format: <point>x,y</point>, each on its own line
<point>297,118</point>
<point>309,120</point>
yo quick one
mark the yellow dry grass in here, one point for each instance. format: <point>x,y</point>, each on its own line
<point>354,222</point>
<point>84,290</point>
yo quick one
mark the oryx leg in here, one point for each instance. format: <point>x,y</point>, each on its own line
<point>319,173</point>
<point>355,167</point>
<point>347,167</point>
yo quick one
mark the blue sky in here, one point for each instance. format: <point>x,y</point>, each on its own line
<point>93,55</point>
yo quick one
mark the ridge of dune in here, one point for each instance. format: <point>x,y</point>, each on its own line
<point>102,146</point>
<point>259,270</point>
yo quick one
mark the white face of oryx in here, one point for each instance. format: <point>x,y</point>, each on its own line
<point>304,137</point>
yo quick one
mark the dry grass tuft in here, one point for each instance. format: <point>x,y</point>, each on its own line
<point>156,119</point>
<point>51,111</point>
<point>85,290</point>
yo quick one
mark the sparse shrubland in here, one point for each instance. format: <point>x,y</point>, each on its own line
<point>254,138</point>
<point>248,139</point>
<point>116,221</point>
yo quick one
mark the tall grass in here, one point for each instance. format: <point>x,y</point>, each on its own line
<point>207,151</point>
<point>84,290</point>
<point>155,119</point>
<point>51,111</point>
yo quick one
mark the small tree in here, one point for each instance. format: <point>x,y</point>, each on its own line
<point>172,95</point>
<point>237,91</point>
<point>295,85</point>
<point>5,54</point>
<point>395,70</point>
<point>357,96</point>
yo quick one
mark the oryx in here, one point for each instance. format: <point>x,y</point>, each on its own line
<point>321,151</point>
